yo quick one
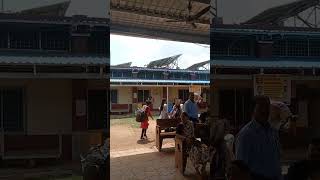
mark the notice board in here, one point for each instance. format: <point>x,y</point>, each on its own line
<point>277,87</point>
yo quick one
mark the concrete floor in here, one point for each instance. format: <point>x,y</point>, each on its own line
<point>133,159</point>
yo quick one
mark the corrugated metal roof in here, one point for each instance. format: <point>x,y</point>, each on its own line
<point>266,63</point>
<point>276,14</point>
<point>263,29</point>
<point>54,60</point>
<point>161,70</point>
<point>25,18</point>
<point>156,81</point>
<point>58,9</point>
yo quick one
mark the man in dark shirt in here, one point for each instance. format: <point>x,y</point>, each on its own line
<point>258,145</point>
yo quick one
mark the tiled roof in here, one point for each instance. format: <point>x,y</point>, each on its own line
<point>54,60</point>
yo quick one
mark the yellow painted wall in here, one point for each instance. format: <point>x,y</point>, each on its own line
<point>49,106</point>
<point>124,95</point>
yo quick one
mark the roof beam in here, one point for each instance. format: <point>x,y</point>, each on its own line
<point>129,30</point>
<point>148,12</point>
<point>201,1</point>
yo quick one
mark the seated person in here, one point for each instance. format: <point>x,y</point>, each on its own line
<point>198,152</point>
<point>176,112</point>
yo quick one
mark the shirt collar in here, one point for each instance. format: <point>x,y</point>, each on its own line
<point>259,126</point>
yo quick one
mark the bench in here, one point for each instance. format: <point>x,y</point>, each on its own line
<point>120,108</point>
<point>180,144</point>
<point>163,124</point>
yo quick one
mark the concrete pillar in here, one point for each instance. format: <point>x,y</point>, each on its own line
<point>134,95</point>
<point>164,92</point>
<point>134,98</point>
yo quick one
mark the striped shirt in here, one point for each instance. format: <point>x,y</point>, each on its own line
<point>259,148</point>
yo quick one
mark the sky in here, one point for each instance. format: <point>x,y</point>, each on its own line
<point>140,51</point>
<point>91,8</point>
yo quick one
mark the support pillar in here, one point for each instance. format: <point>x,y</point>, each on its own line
<point>134,98</point>
<point>167,95</point>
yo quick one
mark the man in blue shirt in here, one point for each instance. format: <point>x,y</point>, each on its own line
<point>191,108</point>
<point>258,144</point>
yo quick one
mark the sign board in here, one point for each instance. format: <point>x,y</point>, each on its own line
<point>277,87</point>
<point>195,89</point>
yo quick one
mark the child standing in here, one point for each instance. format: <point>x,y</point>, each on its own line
<point>145,122</point>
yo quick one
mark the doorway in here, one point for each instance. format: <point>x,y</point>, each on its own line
<point>97,109</point>
<point>236,106</point>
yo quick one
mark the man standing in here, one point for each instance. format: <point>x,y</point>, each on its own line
<point>258,144</point>
<point>191,108</point>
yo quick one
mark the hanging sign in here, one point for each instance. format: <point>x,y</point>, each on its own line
<point>195,89</point>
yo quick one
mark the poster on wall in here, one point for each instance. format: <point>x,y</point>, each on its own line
<point>80,107</point>
<point>277,87</point>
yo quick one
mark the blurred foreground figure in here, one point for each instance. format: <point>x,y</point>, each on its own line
<point>308,169</point>
<point>257,144</point>
<point>238,171</point>
<point>94,163</point>
<point>281,117</point>
<point>222,142</point>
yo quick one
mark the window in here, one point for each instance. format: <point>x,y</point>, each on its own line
<point>114,96</point>
<point>11,110</point>
<point>143,95</point>
<point>183,94</point>
<point>99,43</point>
<point>314,47</point>
<point>279,48</point>
<point>297,47</point>
<point>3,40</point>
<point>97,109</point>
<point>231,47</point>
<point>55,41</point>
<point>24,40</point>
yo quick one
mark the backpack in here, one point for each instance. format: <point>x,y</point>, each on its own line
<point>140,115</point>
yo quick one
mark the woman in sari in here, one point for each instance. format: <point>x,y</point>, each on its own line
<point>198,152</point>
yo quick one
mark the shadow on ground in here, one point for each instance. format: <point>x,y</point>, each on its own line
<point>145,141</point>
<point>153,166</point>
